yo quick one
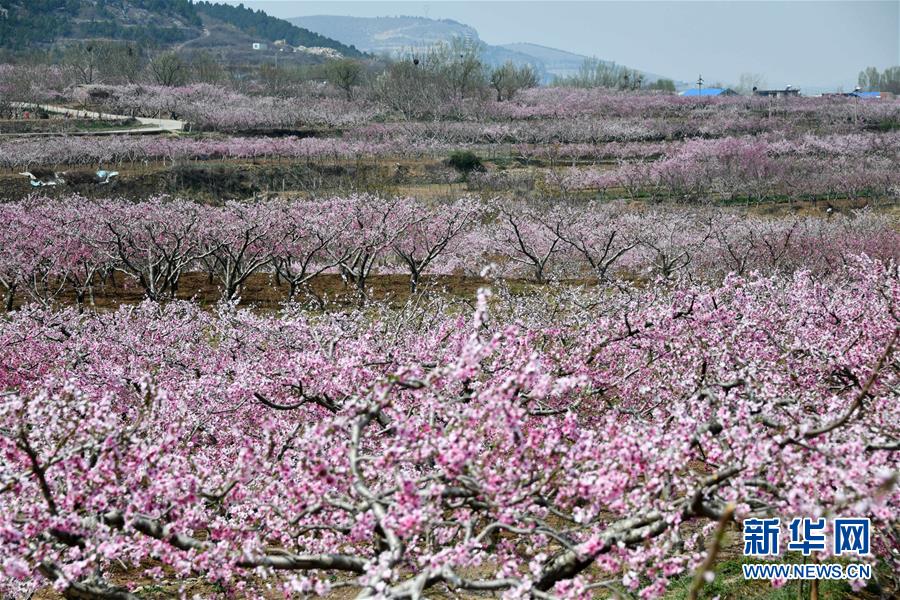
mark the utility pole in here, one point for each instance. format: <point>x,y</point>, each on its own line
<point>699,85</point>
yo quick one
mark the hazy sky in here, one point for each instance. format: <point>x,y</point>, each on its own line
<point>807,43</point>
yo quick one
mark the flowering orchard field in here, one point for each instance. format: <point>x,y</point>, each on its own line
<point>747,167</point>
<point>566,142</point>
<point>221,109</point>
<point>514,448</point>
<point>680,368</point>
<point>688,316</point>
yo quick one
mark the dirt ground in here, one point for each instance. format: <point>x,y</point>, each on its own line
<point>260,291</point>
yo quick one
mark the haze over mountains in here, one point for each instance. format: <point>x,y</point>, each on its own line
<point>396,35</point>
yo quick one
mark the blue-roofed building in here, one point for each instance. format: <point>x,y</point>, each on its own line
<point>788,92</point>
<point>871,95</point>
<point>709,92</point>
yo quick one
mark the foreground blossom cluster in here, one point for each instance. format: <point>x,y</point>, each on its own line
<point>537,447</point>
<point>72,247</point>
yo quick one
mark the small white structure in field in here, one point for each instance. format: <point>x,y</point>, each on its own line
<point>260,46</point>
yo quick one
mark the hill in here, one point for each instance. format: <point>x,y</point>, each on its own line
<point>25,24</point>
<point>29,24</point>
<point>560,62</point>
<point>395,35</point>
<point>386,35</point>
<point>258,24</point>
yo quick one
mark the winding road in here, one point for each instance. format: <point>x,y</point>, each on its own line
<point>150,125</point>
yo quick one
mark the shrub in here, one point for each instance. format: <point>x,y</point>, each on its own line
<point>465,161</point>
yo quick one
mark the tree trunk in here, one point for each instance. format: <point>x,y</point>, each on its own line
<point>10,298</point>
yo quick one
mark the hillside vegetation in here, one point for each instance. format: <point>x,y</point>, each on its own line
<point>258,23</point>
<point>41,23</point>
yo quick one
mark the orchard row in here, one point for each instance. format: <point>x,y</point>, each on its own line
<point>549,145</point>
<point>215,107</point>
<point>51,247</point>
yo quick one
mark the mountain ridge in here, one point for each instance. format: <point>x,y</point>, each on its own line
<point>394,35</point>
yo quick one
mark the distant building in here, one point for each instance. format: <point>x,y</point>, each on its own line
<point>260,46</point>
<point>709,92</point>
<point>788,92</point>
<point>869,95</point>
<point>280,43</point>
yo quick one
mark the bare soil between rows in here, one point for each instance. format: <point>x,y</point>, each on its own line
<point>261,290</point>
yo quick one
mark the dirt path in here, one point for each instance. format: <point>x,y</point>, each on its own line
<point>182,45</point>
<point>152,125</point>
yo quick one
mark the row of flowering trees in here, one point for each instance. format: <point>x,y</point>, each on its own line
<point>75,243</point>
<point>49,247</point>
<point>124,149</point>
<point>568,445</point>
<point>564,102</point>
<point>618,138</point>
<point>744,168</point>
<point>534,141</point>
<point>220,108</point>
